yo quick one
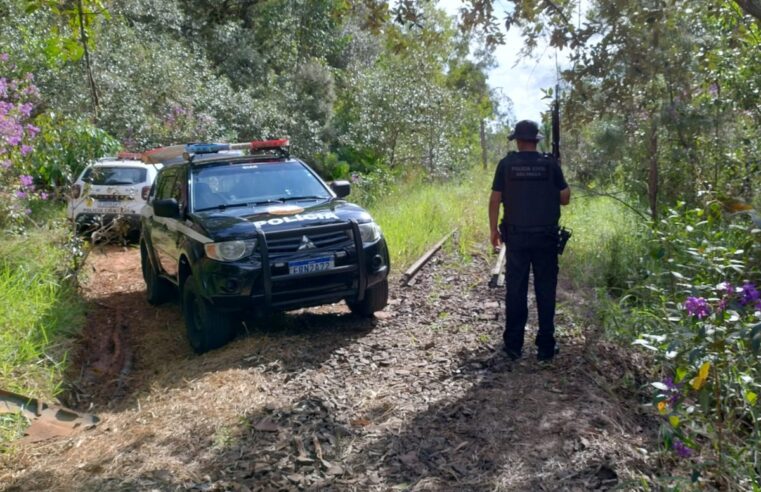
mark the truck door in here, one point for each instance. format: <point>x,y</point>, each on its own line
<point>161,238</point>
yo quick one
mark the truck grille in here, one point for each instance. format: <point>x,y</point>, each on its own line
<point>111,198</point>
<point>284,243</point>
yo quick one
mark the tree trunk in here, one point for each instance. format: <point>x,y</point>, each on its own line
<point>652,177</point>
<point>483,144</point>
<point>90,78</point>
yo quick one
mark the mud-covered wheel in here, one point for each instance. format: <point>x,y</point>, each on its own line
<point>207,327</point>
<point>376,298</point>
<point>157,289</point>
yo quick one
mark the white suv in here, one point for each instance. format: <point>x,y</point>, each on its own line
<point>112,190</point>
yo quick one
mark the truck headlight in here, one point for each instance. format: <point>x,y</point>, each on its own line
<point>370,232</point>
<point>230,250</point>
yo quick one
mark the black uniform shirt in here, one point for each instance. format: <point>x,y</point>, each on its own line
<point>528,204</point>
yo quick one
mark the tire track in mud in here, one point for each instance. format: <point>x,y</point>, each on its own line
<point>418,399</point>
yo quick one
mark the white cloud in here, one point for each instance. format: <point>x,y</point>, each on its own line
<point>522,80</point>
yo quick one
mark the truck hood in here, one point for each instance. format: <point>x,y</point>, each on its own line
<point>243,222</point>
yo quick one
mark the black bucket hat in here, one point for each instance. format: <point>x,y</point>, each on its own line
<point>526,130</point>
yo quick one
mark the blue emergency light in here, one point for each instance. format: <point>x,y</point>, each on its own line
<point>205,148</point>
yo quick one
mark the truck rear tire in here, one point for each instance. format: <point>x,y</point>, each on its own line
<point>376,298</point>
<point>207,327</point>
<point>157,289</point>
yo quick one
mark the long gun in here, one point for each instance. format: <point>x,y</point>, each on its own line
<point>556,125</point>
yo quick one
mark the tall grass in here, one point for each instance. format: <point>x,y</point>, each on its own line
<point>414,216</point>
<point>606,244</point>
<point>38,309</point>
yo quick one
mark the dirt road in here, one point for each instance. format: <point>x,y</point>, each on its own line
<point>418,399</point>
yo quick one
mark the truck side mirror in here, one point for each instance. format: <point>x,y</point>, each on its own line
<point>166,208</point>
<point>341,188</point>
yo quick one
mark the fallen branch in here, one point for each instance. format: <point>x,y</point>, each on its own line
<point>415,267</point>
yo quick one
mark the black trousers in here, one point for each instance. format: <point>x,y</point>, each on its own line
<point>526,250</point>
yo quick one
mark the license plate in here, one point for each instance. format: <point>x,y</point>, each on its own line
<point>109,204</point>
<point>109,211</point>
<point>311,265</point>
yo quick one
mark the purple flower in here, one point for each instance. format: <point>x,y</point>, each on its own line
<point>26,109</point>
<point>26,180</point>
<point>32,130</point>
<point>673,390</point>
<point>749,294</point>
<point>4,57</point>
<point>13,140</point>
<point>25,149</point>
<point>43,195</point>
<point>5,164</point>
<point>21,195</point>
<point>697,306</point>
<point>681,449</point>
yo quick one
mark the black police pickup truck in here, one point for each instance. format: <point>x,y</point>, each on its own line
<point>250,230</point>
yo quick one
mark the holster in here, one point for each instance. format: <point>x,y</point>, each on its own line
<point>563,236</point>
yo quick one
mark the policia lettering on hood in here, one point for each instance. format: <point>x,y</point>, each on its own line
<point>531,188</point>
<point>297,218</point>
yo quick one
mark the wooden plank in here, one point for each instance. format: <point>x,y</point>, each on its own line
<point>415,267</point>
<point>497,274</point>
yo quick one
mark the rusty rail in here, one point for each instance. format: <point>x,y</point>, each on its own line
<point>415,267</point>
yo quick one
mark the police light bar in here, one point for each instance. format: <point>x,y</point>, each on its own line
<point>163,154</point>
<point>131,156</point>
<point>281,143</point>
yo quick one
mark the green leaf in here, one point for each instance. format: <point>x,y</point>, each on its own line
<point>681,372</point>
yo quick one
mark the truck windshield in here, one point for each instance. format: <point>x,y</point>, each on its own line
<point>254,183</point>
<point>105,175</point>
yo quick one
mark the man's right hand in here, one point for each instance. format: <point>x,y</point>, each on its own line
<point>496,240</point>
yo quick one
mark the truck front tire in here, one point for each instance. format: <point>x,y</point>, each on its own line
<point>207,327</point>
<point>376,298</point>
<point>157,289</point>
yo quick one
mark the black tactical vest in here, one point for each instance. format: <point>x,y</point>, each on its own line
<point>530,194</point>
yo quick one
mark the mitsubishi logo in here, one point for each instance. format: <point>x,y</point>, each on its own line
<point>306,243</point>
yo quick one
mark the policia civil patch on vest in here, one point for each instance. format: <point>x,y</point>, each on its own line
<point>529,172</point>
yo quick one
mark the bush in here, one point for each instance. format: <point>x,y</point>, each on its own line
<point>694,303</point>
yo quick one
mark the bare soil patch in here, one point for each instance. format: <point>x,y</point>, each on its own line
<point>421,398</point>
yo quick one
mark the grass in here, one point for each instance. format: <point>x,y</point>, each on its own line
<point>38,310</point>
<point>414,217</point>
<point>606,242</point>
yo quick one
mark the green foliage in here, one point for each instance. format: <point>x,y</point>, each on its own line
<point>65,147</point>
<point>39,308</point>
<point>606,242</point>
<point>692,301</point>
<point>413,217</point>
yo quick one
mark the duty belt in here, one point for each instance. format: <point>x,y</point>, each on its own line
<point>514,228</point>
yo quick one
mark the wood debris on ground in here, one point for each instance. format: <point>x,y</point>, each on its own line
<point>420,398</point>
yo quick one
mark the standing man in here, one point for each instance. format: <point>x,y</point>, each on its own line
<point>531,187</point>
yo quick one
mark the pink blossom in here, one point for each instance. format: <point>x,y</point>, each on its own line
<point>43,195</point>
<point>26,180</point>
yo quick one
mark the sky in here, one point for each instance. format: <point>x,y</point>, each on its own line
<point>520,79</point>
